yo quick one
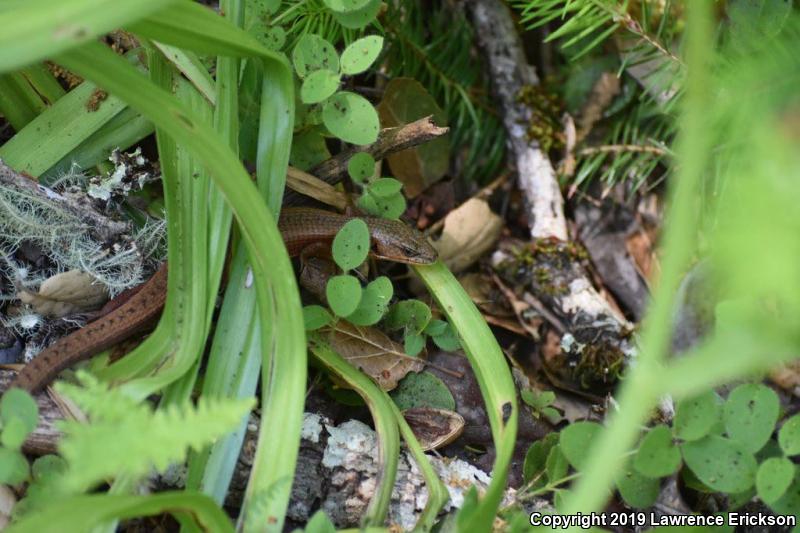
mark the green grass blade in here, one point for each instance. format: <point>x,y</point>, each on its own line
<point>492,373</point>
<point>82,513</point>
<point>638,394</point>
<point>16,104</point>
<point>271,266</point>
<point>235,356</point>
<point>44,83</point>
<point>123,131</point>
<point>38,29</point>
<point>195,27</point>
<point>191,67</point>
<point>58,131</point>
<point>383,414</point>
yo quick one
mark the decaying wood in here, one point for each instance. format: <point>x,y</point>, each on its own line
<point>390,140</point>
<point>552,274</point>
<point>511,72</point>
<point>97,226</point>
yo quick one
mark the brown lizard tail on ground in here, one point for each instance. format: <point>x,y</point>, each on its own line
<point>300,227</point>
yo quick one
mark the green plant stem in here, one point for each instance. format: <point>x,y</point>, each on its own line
<point>272,270</point>
<point>640,390</point>
<point>491,372</point>
<point>380,407</point>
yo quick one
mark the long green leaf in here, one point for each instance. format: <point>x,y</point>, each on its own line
<point>19,103</point>
<point>271,266</point>
<point>492,373</point>
<point>639,391</point>
<point>123,131</point>
<point>380,406</point>
<point>37,29</point>
<point>59,130</point>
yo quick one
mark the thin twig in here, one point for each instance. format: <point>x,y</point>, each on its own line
<point>390,140</point>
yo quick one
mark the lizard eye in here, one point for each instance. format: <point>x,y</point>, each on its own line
<point>409,251</point>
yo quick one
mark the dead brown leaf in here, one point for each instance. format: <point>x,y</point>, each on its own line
<point>70,292</point>
<point>373,352</point>
<point>641,248</point>
<point>404,101</point>
<point>469,231</point>
<point>433,427</point>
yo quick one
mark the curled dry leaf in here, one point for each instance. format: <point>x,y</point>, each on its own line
<point>433,427</point>
<point>469,231</point>
<point>373,352</point>
<point>66,293</point>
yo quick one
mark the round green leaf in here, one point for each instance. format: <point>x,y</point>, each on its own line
<point>413,343</point>
<point>318,86</point>
<point>422,390</point>
<point>721,463</point>
<point>308,149</point>
<point>351,244</point>
<point>275,38</point>
<point>694,417</point>
<point>448,340</point>
<point>391,207</point>
<point>576,442</point>
<point>789,436</point>
<point>351,118</point>
<point>315,317</point>
<point>535,464</point>
<point>344,294</point>
<point>789,503</point>
<point>436,327</point>
<point>14,433</point>
<point>313,53</point>
<point>16,403</point>
<point>48,466</point>
<point>345,6</point>
<point>657,455</point>
<point>750,414</point>
<point>637,490</point>
<point>361,167</point>
<point>358,57</point>
<point>411,314</point>
<point>773,478</point>
<point>13,467</point>
<point>358,18</point>
<point>374,302</point>
<point>556,465</point>
<point>385,188</point>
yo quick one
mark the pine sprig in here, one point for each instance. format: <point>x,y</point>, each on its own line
<point>142,439</point>
<point>589,23</point>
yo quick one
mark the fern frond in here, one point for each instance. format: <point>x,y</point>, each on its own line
<point>143,440</point>
<point>632,148</point>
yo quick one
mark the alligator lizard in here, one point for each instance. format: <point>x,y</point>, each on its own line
<point>300,227</point>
